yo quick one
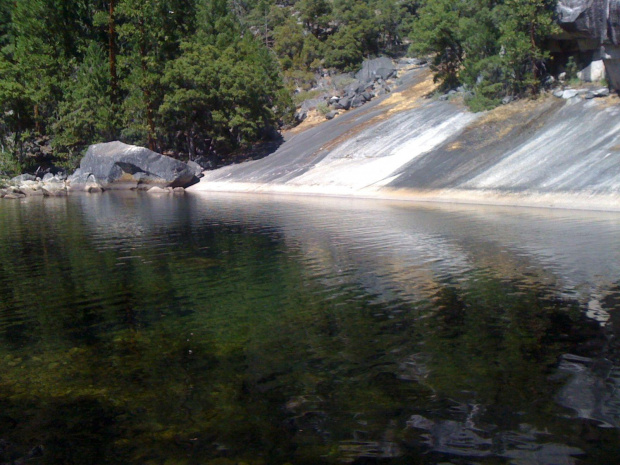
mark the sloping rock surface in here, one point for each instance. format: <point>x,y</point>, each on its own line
<point>552,152</point>
<point>115,165</point>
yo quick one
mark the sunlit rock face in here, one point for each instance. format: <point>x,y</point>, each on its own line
<point>548,148</point>
<point>549,152</point>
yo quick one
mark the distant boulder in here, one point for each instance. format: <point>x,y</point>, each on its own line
<point>54,188</point>
<point>379,68</point>
<point>358,101</point>
<point>355,88</point>
<point>331,115</point>
<point>23,177</point>
<point>115,165</point>
<point>343,104</point>
<point>307,106</point>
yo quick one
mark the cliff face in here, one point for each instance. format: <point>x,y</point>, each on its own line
<point>593,27</point>
<point>548,152</point>
<point>589,19</point>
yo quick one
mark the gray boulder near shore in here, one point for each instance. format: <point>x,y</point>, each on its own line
<point>115,165</point>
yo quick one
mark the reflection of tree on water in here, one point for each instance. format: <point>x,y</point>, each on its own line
<point>198,357</point>
<point>593,387</point>
<point>497,350</point>
<point>465,376</point>
<point>525,446</point>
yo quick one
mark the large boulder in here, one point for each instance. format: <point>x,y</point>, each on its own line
<point>21,178</point>
<point>196,168</point>
<point>379,68</point>
<point>583,19</point>
<point>115,165</point>
<point>595,20</point>
<point>594,26</point>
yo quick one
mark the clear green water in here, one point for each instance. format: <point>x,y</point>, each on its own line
<point>231,329</point>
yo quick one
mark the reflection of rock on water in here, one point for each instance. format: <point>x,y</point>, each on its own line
<point>352,450</point>
<point>593,391</point>
<point>466,440</point>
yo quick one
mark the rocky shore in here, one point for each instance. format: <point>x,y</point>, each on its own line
<point>110,166</point>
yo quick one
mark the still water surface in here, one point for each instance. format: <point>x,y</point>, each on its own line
<point>229,329</point>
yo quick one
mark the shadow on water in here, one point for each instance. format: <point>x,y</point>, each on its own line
<point>153,331</point>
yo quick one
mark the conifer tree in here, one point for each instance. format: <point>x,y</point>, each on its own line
<point>224,91</point>
<point>87,113</point>
<point>150,32</point>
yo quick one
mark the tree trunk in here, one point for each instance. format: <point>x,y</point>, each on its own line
<point>191,146</point>
<point>112,45</point>
<point>149,120</point>
<point>147,93</point>
<point>37,123</point>
<point>533,57</point>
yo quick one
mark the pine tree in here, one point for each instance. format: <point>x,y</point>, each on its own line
<point>87,113</point>
<point>224,91</point>
<point>437,31</point>
<point>495,47</point>
<point>525,25</point>
<point>151,32</point>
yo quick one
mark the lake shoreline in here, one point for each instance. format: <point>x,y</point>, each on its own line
<point>564,201</point>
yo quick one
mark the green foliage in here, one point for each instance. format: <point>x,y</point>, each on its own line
<point>87,114</point>
<point>192,76</point>
<point>210,98</point>
<point>323,108</point>
<point>9,165</point>
<point>300,97</point>
<point>494,47</point>
<point>345,50</point>
<point>315,14</point>
<point>437,31</point>
<point>526,24</point>
<point>571,68</point>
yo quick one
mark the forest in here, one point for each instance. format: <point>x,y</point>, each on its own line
<point>212,77</point>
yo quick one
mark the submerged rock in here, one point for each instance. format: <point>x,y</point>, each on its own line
<point>115,165</point>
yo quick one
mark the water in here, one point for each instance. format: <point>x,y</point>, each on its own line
<point>229,329</point>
